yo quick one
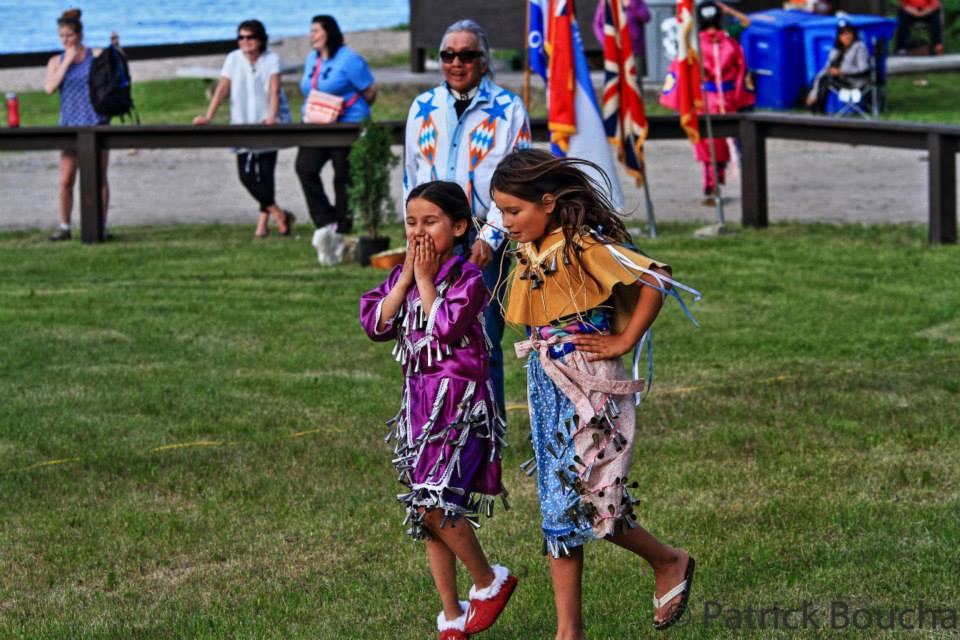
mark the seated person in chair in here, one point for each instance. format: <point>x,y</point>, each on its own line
<point>848,67</point>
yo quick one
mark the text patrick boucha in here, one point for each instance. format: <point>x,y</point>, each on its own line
<point>835,615</point>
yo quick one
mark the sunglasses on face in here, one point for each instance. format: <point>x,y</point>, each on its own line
<point>466,57</point>
<point>243,36</point>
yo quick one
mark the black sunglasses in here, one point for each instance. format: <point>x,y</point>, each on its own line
<point>245,37</point>
<point>466,57</point>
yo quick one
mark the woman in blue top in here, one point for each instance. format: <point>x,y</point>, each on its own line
<point>69,74</point>
<point>333,68</point>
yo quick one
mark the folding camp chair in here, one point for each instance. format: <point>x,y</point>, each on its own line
<point>866,101</point>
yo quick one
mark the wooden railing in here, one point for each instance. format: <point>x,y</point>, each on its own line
<point>135,52</point>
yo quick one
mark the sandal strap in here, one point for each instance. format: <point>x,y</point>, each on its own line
<point>669,595</point>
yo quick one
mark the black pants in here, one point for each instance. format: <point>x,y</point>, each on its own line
<point>310,161</point>
<point>256,173</point>
<point>905,24</point>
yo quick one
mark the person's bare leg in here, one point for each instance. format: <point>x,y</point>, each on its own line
<point>68,176</point>
<point>567,576</point>
<point>458,536</point>
<point>262,225</point>
<point>443,568</point>
<point>669,564</point>
<point>279,216</point>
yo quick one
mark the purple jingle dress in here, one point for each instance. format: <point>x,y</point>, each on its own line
<point>448,432</point>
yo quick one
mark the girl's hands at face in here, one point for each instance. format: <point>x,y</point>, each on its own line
<point>597,346</point>
<point>426,263</point>
<point>406,275</point>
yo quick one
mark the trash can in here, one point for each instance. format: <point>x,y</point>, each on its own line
<point>773,46</point>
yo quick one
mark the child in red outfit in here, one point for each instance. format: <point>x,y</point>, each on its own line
<point>727,88</point>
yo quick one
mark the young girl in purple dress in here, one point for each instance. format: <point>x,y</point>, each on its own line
<point>448,432</point>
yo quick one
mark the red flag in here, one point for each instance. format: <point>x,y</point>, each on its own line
<point>681,87</point>
<point>624,117</point>
<point>562,85</point>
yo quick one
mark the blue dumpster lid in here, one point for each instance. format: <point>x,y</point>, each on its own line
<point>878,26</point>
<point>857,20</point>
<point>781,18</point>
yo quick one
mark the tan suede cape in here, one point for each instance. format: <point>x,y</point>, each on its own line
<point>549,284</point>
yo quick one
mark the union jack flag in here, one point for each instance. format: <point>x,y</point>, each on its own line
<point>624,117</point>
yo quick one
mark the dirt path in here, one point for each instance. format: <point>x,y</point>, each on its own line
<point>807,181</point>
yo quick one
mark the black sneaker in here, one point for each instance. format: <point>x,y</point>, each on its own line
<point>61,234</point>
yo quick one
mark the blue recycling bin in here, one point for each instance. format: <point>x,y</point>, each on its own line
<point>820,34</point>
<point>774,50</point>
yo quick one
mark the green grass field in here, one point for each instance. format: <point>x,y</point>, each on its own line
<point>191,441</point>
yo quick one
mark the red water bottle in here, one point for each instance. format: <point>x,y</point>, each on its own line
<point>13,110</point>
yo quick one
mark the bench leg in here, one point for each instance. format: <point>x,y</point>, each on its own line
<point>91,183</point>
<point>943,189</point>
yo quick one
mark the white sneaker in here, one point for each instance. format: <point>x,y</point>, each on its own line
<point>329,245</point>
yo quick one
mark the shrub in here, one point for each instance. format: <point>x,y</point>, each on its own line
<point>370,162</point>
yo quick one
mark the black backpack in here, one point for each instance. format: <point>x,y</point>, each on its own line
<point>110,85</point>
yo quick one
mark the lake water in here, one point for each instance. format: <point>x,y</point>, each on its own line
<point>31,25</point>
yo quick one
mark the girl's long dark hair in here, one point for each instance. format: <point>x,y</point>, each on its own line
<point>581,201</point>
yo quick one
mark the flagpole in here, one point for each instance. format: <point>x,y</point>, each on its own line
<point>526,58</point>
<point>717,195</point>
<point>651,220</point>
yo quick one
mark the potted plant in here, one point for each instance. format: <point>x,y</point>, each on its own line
<point>369,192</point>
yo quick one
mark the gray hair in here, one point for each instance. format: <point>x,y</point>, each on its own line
<point>471,26</point>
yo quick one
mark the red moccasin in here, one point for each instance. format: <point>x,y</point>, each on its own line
<point>453,629</point>
<point>488,603</point>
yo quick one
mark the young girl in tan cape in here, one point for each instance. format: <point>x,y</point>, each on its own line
<point>587,299</point>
